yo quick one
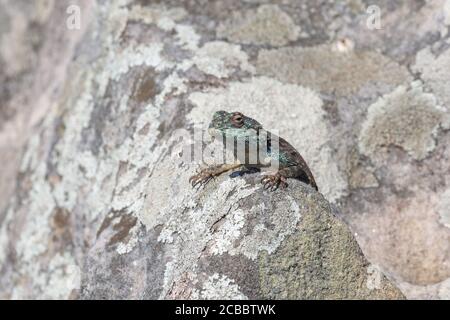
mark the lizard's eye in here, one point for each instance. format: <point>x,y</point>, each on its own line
<point>237,119</point>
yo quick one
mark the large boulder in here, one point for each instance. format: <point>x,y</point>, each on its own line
<point>234,240</point>
<point>94,196</point>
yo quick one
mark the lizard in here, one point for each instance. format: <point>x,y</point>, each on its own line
<point>250,133</point>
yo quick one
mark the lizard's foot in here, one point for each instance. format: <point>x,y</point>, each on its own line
<point>202,178</point>
<point>272,182</point>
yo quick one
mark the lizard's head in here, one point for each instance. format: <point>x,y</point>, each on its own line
<point>233,124</point>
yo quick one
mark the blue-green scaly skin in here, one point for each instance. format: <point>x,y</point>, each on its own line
<point>290,163</point>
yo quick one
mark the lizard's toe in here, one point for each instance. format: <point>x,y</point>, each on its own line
<point>283,183</point>
<point>200,179</point>
<point>273,182</point>
<point>270,183</point>
<point>266,182</point>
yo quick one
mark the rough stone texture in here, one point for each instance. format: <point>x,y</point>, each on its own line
<point>405,118</point>
<point>346,72</point>
<point>432,67</point>
<point>268,24</point>
<point>94,126</point>
<point>321,261</point>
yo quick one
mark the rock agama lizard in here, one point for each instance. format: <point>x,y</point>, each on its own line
<point>251,135</point>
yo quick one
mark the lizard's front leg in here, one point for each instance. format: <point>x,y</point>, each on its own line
<point>205,175</point>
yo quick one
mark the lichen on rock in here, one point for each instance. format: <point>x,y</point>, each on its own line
<point>406,118</point>
<point>434,71</point>
<point>267,25</point>
<point>444,208</point>
<point>325,69</point>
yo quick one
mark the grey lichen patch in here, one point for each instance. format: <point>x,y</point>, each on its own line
<point>220,287</point>
<point>267,25</point>
<point>270,233</point>
<point>406,118</point>
<point>444,208</point>
<point>267,234</point>
<point>324,68</point>
<point>434,71</point>
<point>219,59</point>
<point>294,112</point>
<point>321,260</point>
<point>164,17</point>
<point>242,270</point>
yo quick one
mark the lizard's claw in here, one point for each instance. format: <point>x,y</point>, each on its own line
<point>272,182</point>
<point>201,179</point>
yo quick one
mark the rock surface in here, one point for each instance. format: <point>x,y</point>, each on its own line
<point>94,123</point>
<point>233,240</point>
